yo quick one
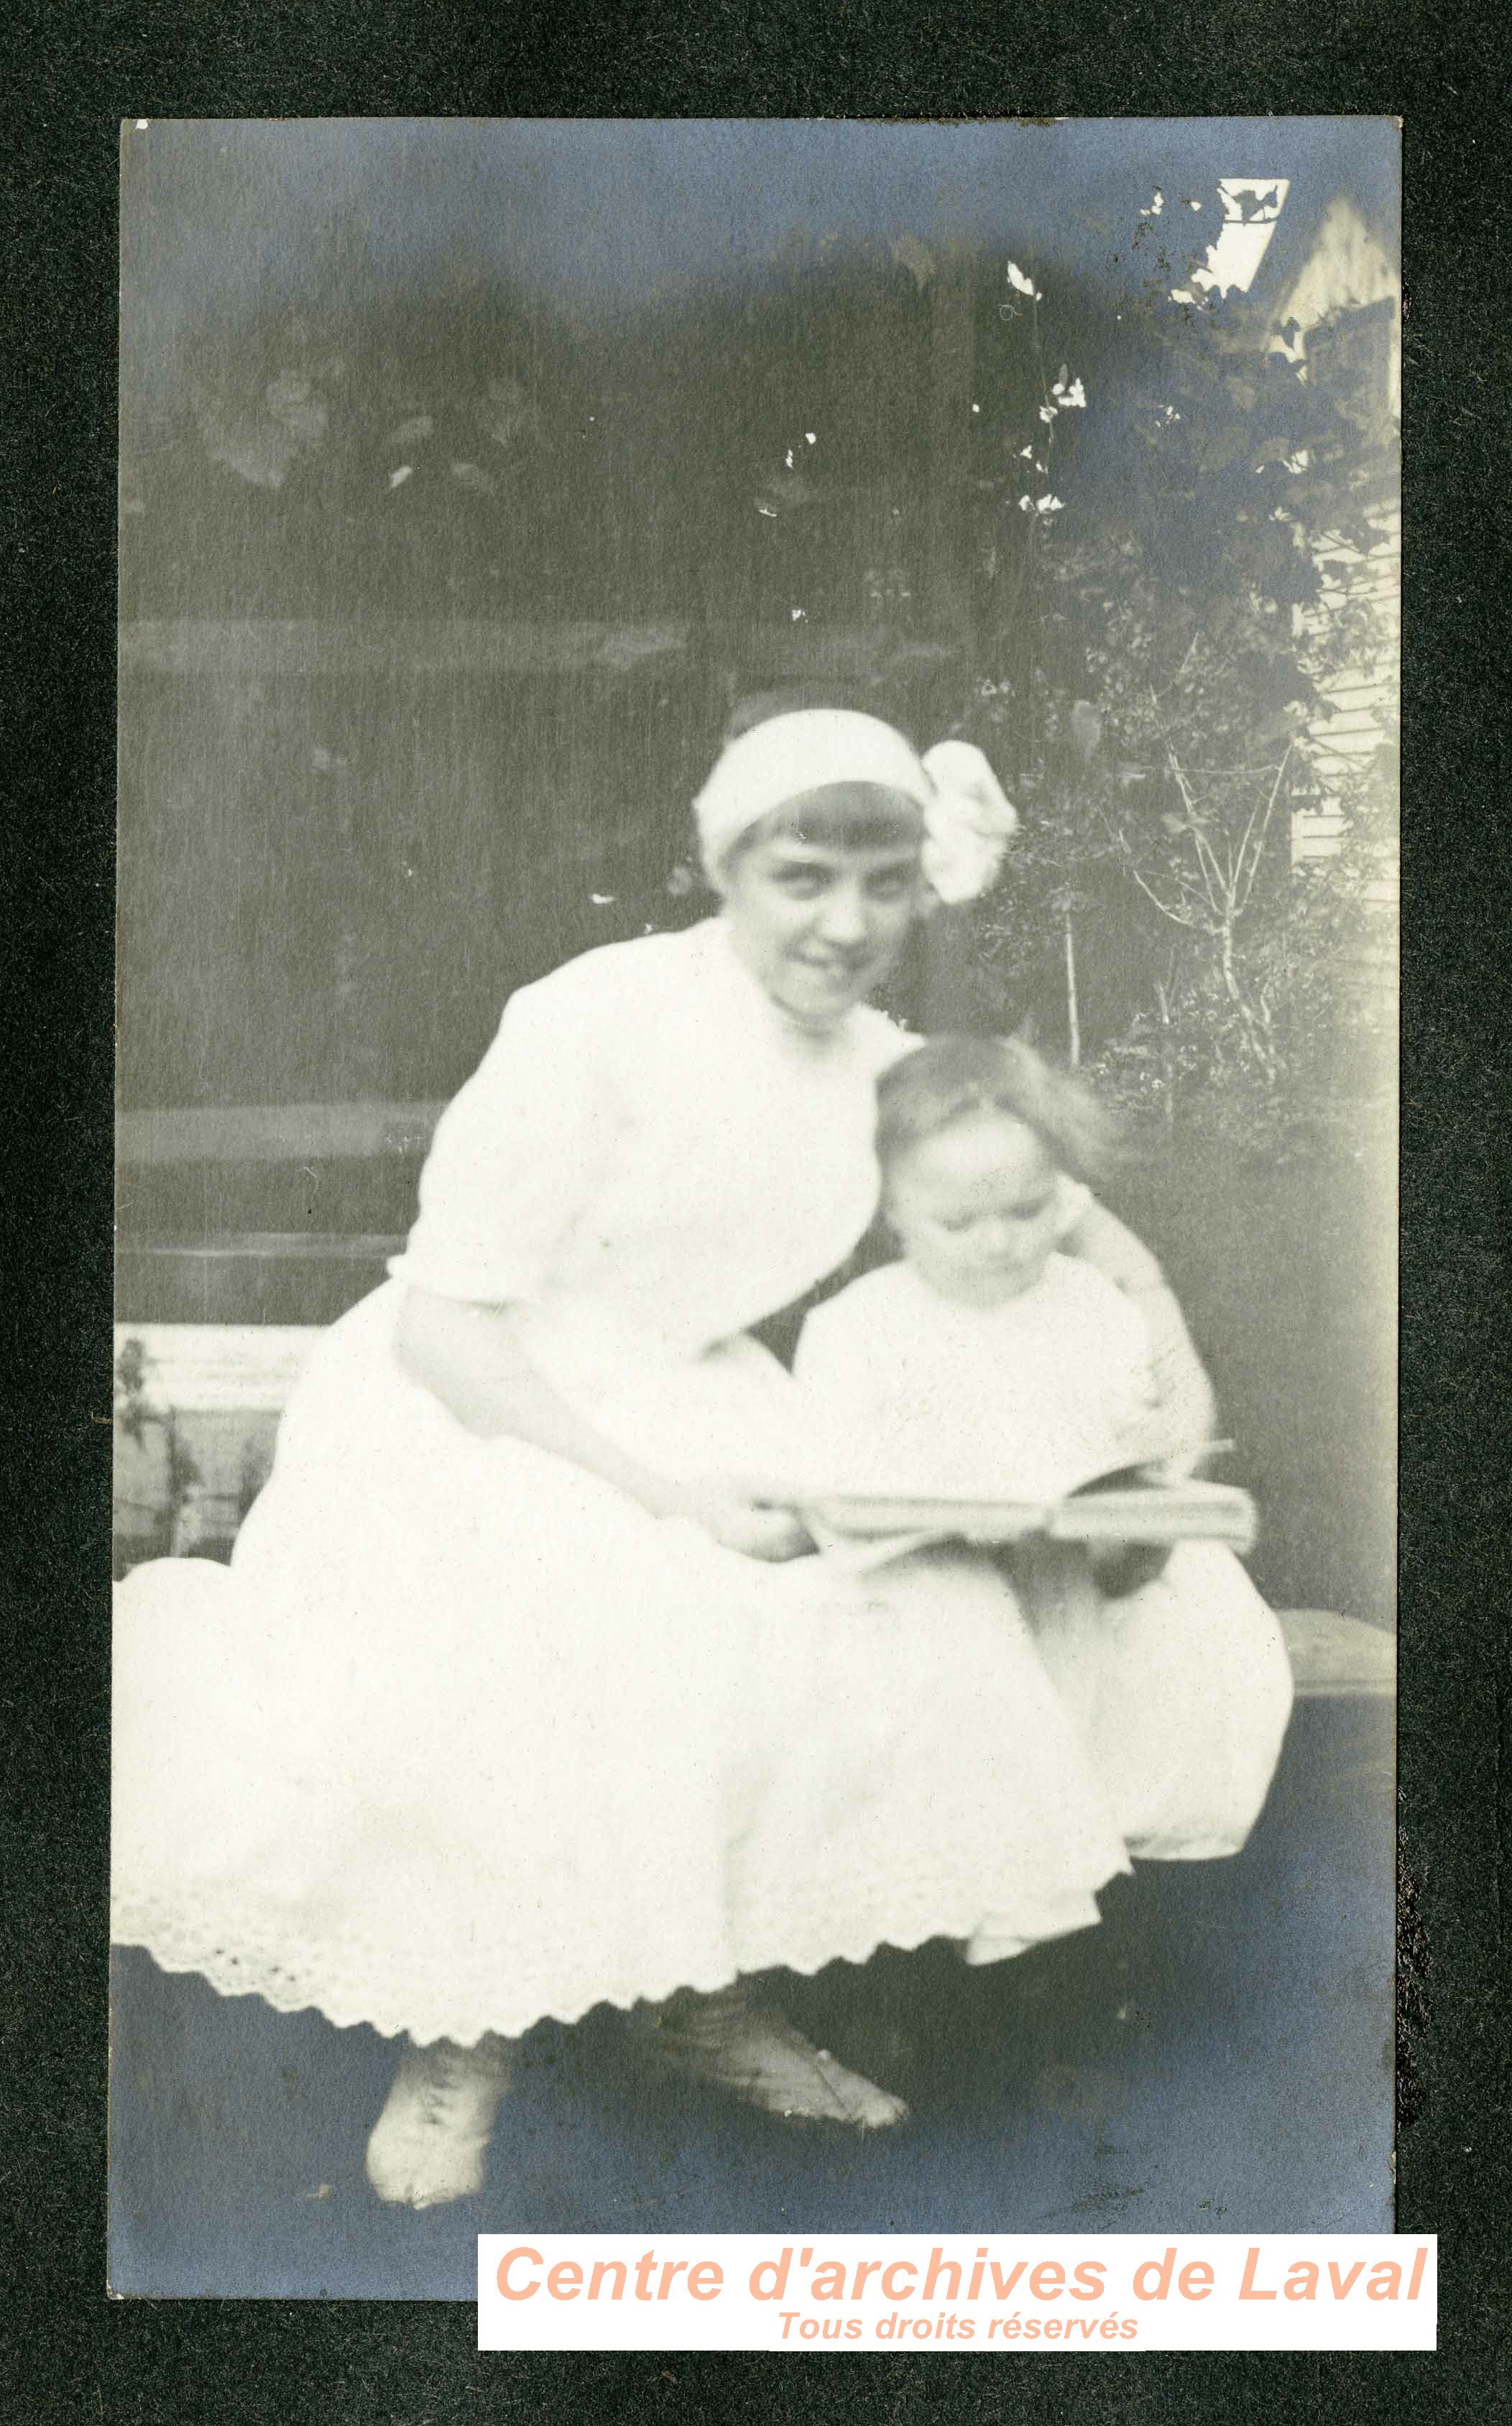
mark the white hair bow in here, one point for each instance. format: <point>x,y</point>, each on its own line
<point>966,823</point>
<point>967,819</point>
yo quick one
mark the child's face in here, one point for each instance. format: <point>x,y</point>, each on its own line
<point>977,1208</point>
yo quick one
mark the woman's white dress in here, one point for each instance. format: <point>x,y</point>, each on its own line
<point>464,1738</point>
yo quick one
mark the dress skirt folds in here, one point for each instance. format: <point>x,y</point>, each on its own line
<point>464,1738</point>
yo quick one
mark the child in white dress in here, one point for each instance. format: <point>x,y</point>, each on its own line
<point>986,1364</point>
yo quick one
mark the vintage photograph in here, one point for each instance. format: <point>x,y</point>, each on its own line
<point>755,1374</point>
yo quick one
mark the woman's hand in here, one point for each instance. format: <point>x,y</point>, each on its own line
<point>740,1515</point>
<point>1123,1568</point>
<point>1187,1411</point>
<point>469,1357</point>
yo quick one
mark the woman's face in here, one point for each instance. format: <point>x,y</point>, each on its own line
<point>819,924</point>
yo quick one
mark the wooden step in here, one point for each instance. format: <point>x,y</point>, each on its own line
<point>1333,1655</point>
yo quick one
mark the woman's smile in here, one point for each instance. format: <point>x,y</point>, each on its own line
<point>820,926</point>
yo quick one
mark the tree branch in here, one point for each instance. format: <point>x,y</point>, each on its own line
<point>1176,917</point>
<point>1259,838</point>
<point>1157,696</point>
<point>1219,891</point>
<point>1121,843</point>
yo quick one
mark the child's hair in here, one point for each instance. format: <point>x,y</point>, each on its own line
<point>842,817</point>
<point>953,1078</point>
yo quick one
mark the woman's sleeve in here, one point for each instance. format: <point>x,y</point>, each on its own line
<point>1184,1392</point>
<point>1099,1237</point>
<point>518,1156</point>
<point>1077,1200</point>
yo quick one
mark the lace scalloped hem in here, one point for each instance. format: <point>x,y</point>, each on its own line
<point>361,1991</point>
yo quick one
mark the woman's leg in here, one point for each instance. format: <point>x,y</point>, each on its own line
<point>738,2040</point>
<point>431,2142</point>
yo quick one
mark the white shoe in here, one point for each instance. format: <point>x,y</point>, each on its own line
<point>731,2041</point>
<point>431,2142</point>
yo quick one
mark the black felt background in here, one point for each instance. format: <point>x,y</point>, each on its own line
<point>75,72</point>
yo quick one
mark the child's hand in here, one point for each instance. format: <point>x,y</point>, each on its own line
<point>742,1515</point>
<point>1126,1567</point>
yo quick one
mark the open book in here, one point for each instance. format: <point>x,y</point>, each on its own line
<point>869,1528</point>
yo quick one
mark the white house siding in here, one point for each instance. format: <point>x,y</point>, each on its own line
<point>1362,702</point>
<point>1348,270</point>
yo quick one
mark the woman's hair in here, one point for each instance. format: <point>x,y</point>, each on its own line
<point>841,816</point>
<point>956,1078</point>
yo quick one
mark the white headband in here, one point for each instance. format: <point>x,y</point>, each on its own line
<point>967,819</point>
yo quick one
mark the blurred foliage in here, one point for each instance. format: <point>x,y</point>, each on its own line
<point>1160,698</point>
<point>1149,500</point>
